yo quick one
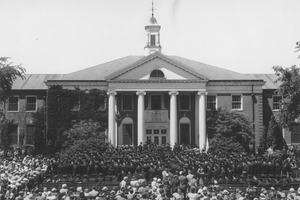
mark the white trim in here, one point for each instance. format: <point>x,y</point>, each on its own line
<point>18,104</point>
<point>234,109</point>
<point>158,90</point>
<point>273,102</point>
<point>35,103</point>
<point>215,95</point>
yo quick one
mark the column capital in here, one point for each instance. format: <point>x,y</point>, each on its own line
<point>173,93</point>
<point>141,93</point>
<point>111,92</point>
<point>202,92</point>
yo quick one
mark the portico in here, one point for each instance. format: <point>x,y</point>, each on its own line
<point>157,122</point>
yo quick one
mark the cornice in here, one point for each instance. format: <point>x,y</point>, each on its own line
<point>235,82</point>
<point>156,81</point>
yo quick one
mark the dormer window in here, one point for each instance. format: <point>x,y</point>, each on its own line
<point>157,74</point>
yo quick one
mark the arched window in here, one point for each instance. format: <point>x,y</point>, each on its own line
<point>157,74</point>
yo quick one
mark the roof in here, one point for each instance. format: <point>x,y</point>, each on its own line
<point>102,71</point>
<point>270,80</point>
<point>212,72</point>
<point>99,72</point>
<point>33,81</point>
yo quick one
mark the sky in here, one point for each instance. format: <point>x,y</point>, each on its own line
<point>63,36</point>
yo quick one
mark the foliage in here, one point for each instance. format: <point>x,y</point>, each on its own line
<point>83,131</point>
<point>263,141</point>
<point>274,136</point>
<point>4,130</point>
<point>61,113</point>
<point>8,74</point>
<point>289,90</point>
<point>39,133</point>
<point>298,47</point>
<point>224,144</point>
<point>230,125</point>
<point>84,136</point>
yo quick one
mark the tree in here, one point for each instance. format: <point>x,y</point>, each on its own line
<point>84,136</point>
<point>289,90</point>
<point>232,125</point>
<point>8,74</point>
<point>263,141</point>
<point>274,136</point>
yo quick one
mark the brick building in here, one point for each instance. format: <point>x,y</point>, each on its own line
<point>161,98</point>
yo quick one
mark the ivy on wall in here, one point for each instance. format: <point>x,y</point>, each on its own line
<point>66,107</point>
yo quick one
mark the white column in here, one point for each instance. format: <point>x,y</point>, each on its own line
<point>173,117</point>
<point>111,117</point>
<point>197,119</point>
<point>141,120</point>
<point>202,120</point>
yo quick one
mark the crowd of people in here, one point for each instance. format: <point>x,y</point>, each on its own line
<point>153,172</point>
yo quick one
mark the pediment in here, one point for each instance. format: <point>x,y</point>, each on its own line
<point>142,69</point>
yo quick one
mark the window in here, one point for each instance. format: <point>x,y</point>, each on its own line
<point>295,134</point>
<point>30,134</point>
<point>163,131</point>
<point>148,131</point>
<point>13,103</point>
<point>156,131</point>
<point>13,134</point>
<point>31,103</point>
<point>237,102</point>
<point>163,140</point>
<point>156,102</point>
<point>152,40</point>
<point>75,102</point>
<point>211,102</point>
<point>149,140</point>
<point>184,102</point>
<point>127,102</point>
<point>156,140</point>
<point>276,102</point>
<point>157,74</point>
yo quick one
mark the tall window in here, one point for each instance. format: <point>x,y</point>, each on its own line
<point>13,103</point>
<point>30,134</point>
<point>30,103</point>
<point>156,102</point>
<point>127,101</point>
<point>156,140</point>
<point>276,102</point>
<point>237,102</point>
<point>13,134</point>
<point>211,102</point>
<point>295,134</point>
<point>184,102</point>
<point>152,40</point>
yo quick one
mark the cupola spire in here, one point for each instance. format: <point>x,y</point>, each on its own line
<point>152,35</point>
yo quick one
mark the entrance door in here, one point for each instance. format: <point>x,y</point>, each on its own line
<point>185,134</point>
<point>127,134</point>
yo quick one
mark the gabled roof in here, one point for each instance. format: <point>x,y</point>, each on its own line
<point>270,80</point>
<point>33,81</point>
<point>149,58</point>
<point>112,69</point>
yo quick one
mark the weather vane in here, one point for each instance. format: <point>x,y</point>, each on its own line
<point>152,8</point>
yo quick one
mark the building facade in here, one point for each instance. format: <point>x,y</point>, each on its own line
<point>160,98</point>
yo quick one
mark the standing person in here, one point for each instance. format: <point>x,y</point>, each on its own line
<point>183,182</point>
